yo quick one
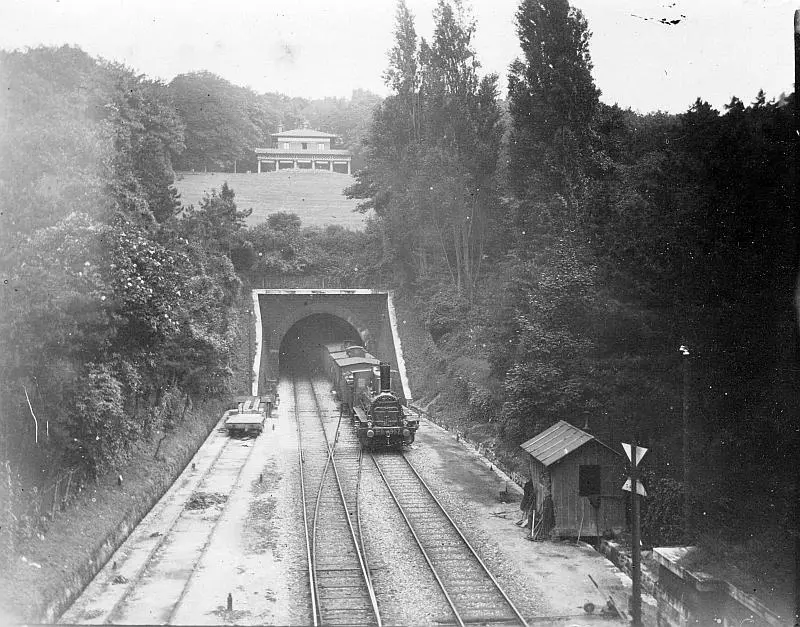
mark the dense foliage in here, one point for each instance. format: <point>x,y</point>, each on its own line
<point>432,153</point>
<point>600,242</point>
<point>116,313</point>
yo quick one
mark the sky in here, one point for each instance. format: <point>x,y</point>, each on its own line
<point>317,48</point>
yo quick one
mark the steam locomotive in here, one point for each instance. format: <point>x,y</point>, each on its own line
<point>363,386</point>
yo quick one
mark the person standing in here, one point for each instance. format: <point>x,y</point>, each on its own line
<point>527,499</point>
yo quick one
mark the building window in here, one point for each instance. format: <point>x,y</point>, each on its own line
<point>286,145</point>
<point>321,146</point>
<point>588,480</point>
<point>305,146</point>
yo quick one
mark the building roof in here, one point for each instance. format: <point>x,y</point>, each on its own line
<point>302,132</point>
<point>291,152</point>
<point>555,443</point>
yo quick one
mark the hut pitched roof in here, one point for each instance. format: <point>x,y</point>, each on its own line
<point>555,443</point>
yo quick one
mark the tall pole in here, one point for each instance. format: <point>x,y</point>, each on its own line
<point>796,69</point>
<point>636,596</point>
<point>687,500</point>
<point>797,249</point>
<point>797,148</point>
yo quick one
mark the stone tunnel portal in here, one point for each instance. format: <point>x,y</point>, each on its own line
<point>292,323</point>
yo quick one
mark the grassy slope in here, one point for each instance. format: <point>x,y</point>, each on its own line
<point>315,196</point>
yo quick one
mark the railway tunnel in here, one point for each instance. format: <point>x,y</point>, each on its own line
<point>301,346</point>
<point>291,325</point>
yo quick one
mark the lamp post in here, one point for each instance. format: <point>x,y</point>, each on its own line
<point>687,506</point>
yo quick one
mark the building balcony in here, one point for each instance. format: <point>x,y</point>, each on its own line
<point>283,153</point>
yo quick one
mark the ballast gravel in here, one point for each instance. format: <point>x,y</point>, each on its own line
<point>258,553</point>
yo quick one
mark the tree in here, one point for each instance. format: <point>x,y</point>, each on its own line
<point>100,428</point>
<point>147,135</point>
<point>52,152</point>
<point>461,122</point>
<point>548,341</point>
<point>402,75</point>
<point>219,120</point>
<point>111,316</point>
<point>432,151</point>
<point>217,221</point>
<point>100,139</point>
<point>552,102</point>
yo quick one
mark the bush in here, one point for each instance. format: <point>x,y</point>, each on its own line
<point>662,524</point>
<point>445,312</point>
<point>98,424</point>
<point>481,405</point>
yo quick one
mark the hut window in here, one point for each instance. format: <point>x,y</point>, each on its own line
<point>588,480</point>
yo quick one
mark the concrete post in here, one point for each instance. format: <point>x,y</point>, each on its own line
<point>348,167</point>
<point>259,166</point>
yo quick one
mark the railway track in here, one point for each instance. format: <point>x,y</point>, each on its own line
<point>152,581</point>
<point>472,592</point>
<point>329,458</point>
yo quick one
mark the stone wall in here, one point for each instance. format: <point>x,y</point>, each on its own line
<point>367,311</point>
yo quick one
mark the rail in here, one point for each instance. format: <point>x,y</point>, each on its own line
<point>329,481</point>
<point>455,597</point>
<point>301,461</point>
<point>138,580</point>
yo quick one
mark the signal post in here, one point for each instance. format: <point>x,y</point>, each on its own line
<point>635,487</point>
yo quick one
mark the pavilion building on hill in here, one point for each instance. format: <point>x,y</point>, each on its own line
<point>303,149</point>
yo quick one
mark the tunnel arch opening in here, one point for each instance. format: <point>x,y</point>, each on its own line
<point>301,346</point>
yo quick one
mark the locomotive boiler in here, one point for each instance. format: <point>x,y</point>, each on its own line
<point>363,387</point>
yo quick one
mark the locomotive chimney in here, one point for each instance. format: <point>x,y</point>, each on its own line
<point>386,377</point>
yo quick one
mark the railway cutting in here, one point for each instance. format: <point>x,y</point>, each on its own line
<point>340,426</point>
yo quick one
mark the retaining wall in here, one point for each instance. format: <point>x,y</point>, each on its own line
<point>685,598</point>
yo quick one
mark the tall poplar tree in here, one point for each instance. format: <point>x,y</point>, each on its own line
<point>552,101</point>
<point>402,74</point>
<point>433,150</point>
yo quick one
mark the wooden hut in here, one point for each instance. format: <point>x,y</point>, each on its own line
<point>581,478</point>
